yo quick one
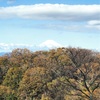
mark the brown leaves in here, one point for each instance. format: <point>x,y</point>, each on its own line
<point>34,81</point>
<point>51,74</point>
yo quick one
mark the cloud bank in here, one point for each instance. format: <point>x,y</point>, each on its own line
<point>88,15</point>
<point>46,45</point>
<point>9,47</point>
<point>52,12</point>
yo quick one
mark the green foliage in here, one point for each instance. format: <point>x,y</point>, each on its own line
<point>13,77</point>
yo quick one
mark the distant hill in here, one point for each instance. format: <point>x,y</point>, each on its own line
<point>2,53</point>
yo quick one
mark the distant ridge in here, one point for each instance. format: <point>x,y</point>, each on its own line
<point>2,53</point>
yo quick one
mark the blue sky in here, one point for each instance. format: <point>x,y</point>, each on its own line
<point>73,23</point>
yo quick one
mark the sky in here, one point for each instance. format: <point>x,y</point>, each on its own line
<point>49,23</point>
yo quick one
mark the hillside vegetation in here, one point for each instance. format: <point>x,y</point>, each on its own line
<point>57,74</point>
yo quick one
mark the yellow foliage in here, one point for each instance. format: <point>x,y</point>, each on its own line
<point>5,90</point>
<point>45,97</point>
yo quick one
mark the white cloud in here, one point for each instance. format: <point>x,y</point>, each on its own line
<point>94,24</point>
<point>46,45</point>
<point>49,44</point>
<point>81,18</point>
<point>9,47</point>
<point>52,12</point>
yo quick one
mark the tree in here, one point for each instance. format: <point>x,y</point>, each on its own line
<point>33,84</point>
<point>58,74</point>
<point>6,93</point>
<point>40,59</point>
<point>13,77</point>
<point>4,66</point>
<point>58,88</point>
<point>19,57</point>
<point>86,79</point>
<point>58,62</point>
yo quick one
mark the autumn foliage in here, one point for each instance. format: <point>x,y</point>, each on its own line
<point>57,74</point>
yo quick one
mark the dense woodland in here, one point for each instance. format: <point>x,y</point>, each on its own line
<point>57,74</point>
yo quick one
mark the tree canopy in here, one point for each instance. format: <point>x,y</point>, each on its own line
<point>57,74</point>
